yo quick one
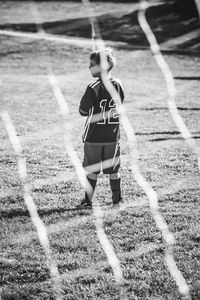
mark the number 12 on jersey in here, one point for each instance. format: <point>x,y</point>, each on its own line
<point>110,114</point>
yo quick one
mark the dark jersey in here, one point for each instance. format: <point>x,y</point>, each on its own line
<point>102,124</point>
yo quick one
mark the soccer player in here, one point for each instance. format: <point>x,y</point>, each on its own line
<point>102,128</point>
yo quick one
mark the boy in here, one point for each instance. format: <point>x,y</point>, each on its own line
<point>102,132</point>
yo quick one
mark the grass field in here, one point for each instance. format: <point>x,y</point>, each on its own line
<point>165,161</point>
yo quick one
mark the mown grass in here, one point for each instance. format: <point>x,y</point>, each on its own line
<point>57,10</point>
<point>165,161</point>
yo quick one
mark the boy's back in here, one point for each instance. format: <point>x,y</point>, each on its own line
<point>102,125</point>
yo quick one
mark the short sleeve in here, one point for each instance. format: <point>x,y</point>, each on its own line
<point>87,102</point>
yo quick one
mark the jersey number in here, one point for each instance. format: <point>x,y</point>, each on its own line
<point>111,114</point>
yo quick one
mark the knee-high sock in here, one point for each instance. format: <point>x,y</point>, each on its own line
<point>115,185</point>
<point>88,197</point>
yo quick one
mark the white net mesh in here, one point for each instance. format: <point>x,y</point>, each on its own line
<point>99,214</point>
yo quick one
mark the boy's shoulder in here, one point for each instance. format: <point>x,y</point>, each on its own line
<point>98,82</point>
<point>95,86</point>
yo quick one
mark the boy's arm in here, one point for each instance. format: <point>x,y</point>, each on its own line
<point>86,102</point>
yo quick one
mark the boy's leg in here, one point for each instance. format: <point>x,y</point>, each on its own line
<point>112,152</point>
<point>115,184</point>
<point>92,178</point>
<point>92,157</point>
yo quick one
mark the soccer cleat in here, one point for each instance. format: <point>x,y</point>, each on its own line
<point>116,197</point>
<point>84,204</point>
<point>116,191</point>
<point>117,204</point>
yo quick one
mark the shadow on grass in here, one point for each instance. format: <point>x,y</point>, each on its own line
<point>166,108</point>
<point>13,213</point>
<point>158,132</point>
<point>173,133</point>
<point>187,78</point>
<point>171,138</point>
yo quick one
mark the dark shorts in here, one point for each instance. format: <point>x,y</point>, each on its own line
<point>98,156</point>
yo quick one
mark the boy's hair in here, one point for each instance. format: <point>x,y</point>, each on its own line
<point>107,52</point>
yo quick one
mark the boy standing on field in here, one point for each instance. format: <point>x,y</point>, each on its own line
<point>102,128</point>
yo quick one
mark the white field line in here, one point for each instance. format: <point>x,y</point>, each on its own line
<point>88,43</point>
<point>180,40</point>
<point>67,130</point>
<point>38,223</point>
<point>169,258</point>
<point>68,40</point>
<point>81,42</point>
